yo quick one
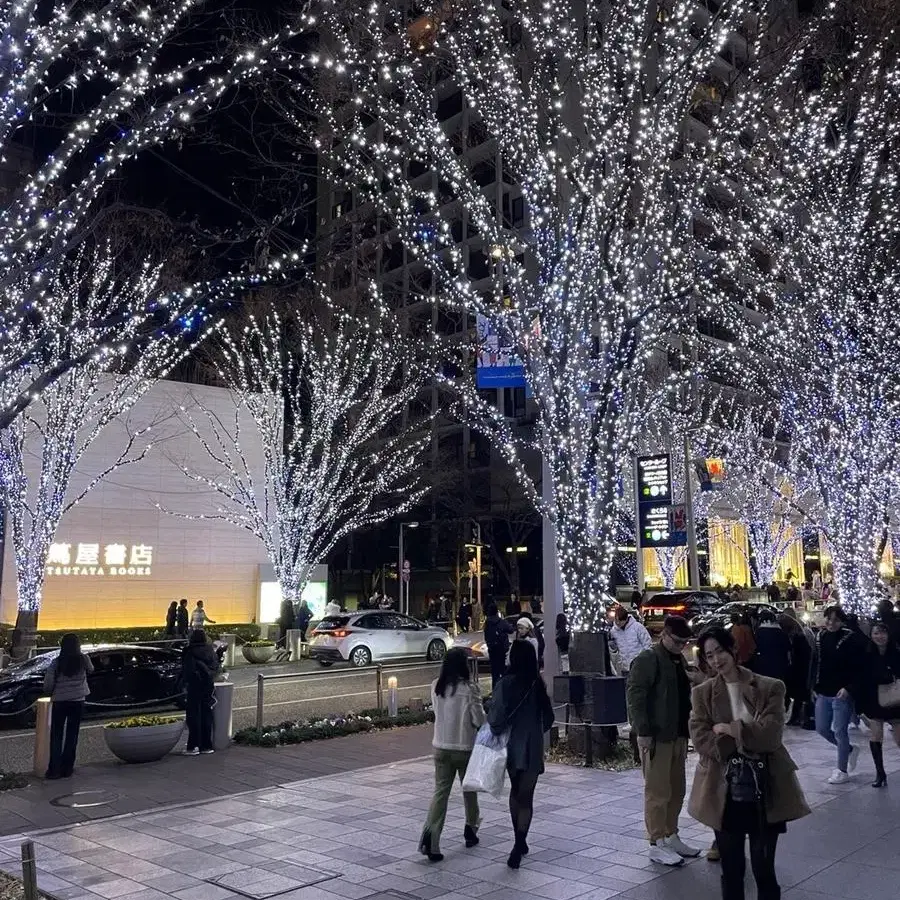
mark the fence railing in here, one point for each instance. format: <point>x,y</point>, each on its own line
<point>376,671</point>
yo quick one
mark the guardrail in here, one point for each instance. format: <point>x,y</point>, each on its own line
<point>379,670</point>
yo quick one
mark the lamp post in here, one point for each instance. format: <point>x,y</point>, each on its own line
<point>478,546</point>
<point>403,573</point>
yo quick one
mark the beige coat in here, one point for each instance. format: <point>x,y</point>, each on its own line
<point>710,706</point>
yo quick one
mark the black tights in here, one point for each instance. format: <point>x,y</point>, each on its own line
<point>521,802</point>
<point>762,861</point>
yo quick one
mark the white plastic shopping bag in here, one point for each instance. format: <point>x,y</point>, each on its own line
<point>487,765</point>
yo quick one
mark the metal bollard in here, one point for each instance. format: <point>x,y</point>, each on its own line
<point>41,759</point>
<point>230,641</point>
<point>223,720</point>
<point>260,689</point>
<point>29,871</point>
<point>293,644</point>
<point>379,689</point>
<point>393,704</point>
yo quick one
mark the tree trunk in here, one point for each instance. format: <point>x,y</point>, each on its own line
<point>24,636</point>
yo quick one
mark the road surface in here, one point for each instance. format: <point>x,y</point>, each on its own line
<point>323,692</point>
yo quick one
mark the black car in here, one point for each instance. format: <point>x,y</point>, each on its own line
<point>722,615</point>
<point>689,604</point>
<point>125,679</point>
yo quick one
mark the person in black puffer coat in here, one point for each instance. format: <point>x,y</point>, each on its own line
<point>198,671</point>
<point>496,637</point>
<point>882,668</point>
<point>773,649</point>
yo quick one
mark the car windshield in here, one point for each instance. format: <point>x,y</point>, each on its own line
<point>36,664</point>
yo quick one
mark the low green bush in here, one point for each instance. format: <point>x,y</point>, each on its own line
<point>136,634</point>
<point>305,730</point>
<point>144,721</point>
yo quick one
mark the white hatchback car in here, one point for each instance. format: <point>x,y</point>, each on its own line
<point>375,636</point>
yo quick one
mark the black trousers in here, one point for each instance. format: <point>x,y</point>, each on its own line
<point>198,713</point>
<point>65,721</point>
<point>498,667</point>
<point>762,861</point>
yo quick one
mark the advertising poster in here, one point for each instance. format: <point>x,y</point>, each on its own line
<point>499,364</point>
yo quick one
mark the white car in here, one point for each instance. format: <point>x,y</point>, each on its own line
<point>375,636</point>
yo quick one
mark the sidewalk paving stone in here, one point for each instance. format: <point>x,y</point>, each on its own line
<point>357,832</point>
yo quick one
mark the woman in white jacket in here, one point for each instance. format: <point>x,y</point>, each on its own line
<point>458,714</point>
<point>631,638</point>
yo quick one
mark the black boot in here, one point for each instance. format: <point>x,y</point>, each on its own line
<point>878,756</point>
<point>520,849</point>
<point>470,835</point>
<point>425,848</point>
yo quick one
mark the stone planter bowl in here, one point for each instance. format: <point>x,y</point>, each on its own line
<point>144,744</point>
<point>258,655</point>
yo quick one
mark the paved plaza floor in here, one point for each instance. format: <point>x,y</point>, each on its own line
<point>353,835</point>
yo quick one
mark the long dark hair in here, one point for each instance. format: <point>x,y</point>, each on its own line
<point>454,670</point>
<point>523,673</point>
<point>70,662</point>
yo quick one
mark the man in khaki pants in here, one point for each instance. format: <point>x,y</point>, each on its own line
<point>659,706</point>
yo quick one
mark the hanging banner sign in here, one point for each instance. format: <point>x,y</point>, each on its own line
<point>499,363</point>
<point>710,472</point>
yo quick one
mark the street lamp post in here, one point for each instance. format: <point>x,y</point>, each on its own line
<point>403,573</point>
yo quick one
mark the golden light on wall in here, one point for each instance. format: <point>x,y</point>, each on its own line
<point>727,564</point>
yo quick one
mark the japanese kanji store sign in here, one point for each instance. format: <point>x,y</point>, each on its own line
<point>117,560</point>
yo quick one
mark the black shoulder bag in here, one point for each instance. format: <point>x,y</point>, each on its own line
<point>746,779</point>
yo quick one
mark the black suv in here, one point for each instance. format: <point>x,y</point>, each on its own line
<point>689,604</point>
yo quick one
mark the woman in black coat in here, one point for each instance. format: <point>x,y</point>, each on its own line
<point>199,665</point>
<point>883,668</point>
<point>520,706</point>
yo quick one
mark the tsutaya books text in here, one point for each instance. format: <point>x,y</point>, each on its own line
<point>94,560</point>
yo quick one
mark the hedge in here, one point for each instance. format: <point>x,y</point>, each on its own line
<point>128,635</point>
<point>299,732</point>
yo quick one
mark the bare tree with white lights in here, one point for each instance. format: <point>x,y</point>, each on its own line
<point>327,400</point>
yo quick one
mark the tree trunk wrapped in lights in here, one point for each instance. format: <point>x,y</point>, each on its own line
<point>828,350</point>
<point>583,107</point>
<point>330,402</point>
<point>41,449</point>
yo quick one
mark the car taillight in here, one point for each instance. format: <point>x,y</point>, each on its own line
<point>340,633</point>
<point>681,608</point>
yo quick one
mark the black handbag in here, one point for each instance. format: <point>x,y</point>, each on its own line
<point>746,779</point>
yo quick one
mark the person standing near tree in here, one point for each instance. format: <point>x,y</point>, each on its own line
<point>737,726</point>
<point>66,683</point>
<point>659,707</point>
<point>496,638</point>
<point>304,617</point>
<point>198,669</point>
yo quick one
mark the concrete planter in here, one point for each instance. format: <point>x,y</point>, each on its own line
<point>143,744</point>
<point>258,655</point>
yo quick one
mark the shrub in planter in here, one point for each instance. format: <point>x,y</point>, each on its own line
<point>258,651</point>
<point>143,738</point>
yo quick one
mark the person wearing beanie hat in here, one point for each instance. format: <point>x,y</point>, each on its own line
<point>525,632</point>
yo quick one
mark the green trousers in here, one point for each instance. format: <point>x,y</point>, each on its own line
<point>448,765</point>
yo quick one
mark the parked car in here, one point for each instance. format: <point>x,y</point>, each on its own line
<point>125,678</point>
<point>689,603</point>
<point>722,615</point>
<point>473,641</point>
<point>375,636</point>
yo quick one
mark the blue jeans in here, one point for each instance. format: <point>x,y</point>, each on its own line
<point>832,720</point>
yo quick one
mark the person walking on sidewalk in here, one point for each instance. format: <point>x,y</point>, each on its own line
<point>882,677</point>
<point>737,726</point>
<point>198,670</point>
<point>773,649</point>
<point>199,617</point>
<point>659,706</point>
<point>66,683</point>
<point>521,707</point>
<point>171,618</point>
<point>496,638</point>
<point>839,668</point>
<point>182,618</point>
<point>458,714</point>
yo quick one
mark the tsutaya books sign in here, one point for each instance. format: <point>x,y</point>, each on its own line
<point>94,560</point>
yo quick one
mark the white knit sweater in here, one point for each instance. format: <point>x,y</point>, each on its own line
<point>457,717</point>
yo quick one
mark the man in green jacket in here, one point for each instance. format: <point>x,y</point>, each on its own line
<point>659,706</point>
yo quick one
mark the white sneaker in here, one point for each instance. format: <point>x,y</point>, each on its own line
<point>673,842</point>
<point>193,752</point>
<point>839,777</point>
<point>853,760</point>
<point>660,853</point>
